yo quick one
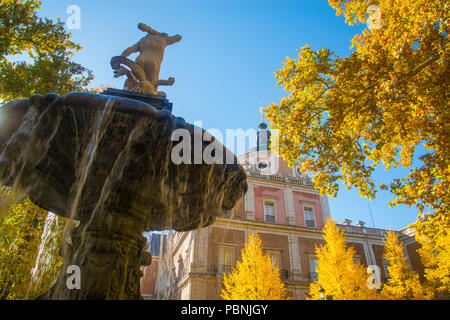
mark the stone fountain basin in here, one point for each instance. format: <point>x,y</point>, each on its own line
<point>83,153</point>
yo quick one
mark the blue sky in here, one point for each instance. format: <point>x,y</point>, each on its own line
<point>225,64</point>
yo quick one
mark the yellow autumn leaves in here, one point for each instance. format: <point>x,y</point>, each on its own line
<point>386,104</point>
<point>341,277</point>
<point>338,274</point>
<point>254,277</point>
<point>21,230</point>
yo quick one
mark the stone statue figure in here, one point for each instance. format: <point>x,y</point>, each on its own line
<point>143,74</point>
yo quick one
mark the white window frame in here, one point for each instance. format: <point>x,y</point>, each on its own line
<point>305,205</point>
<point>274,203</point>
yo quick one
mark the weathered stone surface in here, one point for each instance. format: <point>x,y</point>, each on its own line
<point>106,162</point>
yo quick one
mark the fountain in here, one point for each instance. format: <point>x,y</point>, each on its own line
<point>104,160</point>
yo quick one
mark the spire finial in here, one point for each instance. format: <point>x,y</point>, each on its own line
<point>262,114</point>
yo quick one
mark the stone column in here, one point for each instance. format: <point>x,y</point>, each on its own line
<point>370,256</point>
<point>405,251</point>
<point>200,261</point>
<point>325,207</point>
<point>294,254</point>
<point>107,251</point>
<point>290,211</point>
<point>190,253</point>
<point>249,201</point>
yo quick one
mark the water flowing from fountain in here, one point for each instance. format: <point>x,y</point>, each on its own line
<point>105,163</point>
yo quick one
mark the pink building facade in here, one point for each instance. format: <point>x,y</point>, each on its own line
<point>288,213</point>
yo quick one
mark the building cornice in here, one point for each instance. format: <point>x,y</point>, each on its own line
<point>275,184</point>
<point>300,230</point>
<point>284,179</point>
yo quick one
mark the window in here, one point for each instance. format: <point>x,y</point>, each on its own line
<point>262,165</point>
<point>312,268</point>
<point>308,212</point>
<point>155,244</point>
<point>227,255</point>
<point>275,259</point>
<point>227,260</point>
<point>269,211</point>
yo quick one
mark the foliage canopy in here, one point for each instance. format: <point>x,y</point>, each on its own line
<point>35,54</point>
<point>386,103</point>
<point>339,274</point>
<point>403,283</point>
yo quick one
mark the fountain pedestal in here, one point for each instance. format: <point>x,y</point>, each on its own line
<point>106,162</point>
<point>109,252</point>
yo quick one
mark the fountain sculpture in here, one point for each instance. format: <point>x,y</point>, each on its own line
<point>104,160</point>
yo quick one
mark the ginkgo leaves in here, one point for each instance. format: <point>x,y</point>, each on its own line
<point>254,277</point>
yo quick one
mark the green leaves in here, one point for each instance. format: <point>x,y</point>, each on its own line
<point>55,75</point>
<point>24,32</point>
<point>46,47</point>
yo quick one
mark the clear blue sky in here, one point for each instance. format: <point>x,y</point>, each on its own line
<point>225,64</point>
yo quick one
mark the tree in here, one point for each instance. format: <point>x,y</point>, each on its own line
<point>435,256</point>
<point>254,278</point>
<point>403,283</point>
<point>47,47</point>
<point>338,274</point>
<point>345,116</point>
<point>29,260</point>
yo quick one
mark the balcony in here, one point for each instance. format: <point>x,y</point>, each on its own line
<point>282,178</point>
<point>363,230</point>
<point>310,223</point>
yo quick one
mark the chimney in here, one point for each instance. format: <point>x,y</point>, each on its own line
<point>347,222</point>
<point>360,223</point>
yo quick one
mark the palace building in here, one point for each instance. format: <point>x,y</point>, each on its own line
<point>288,213</point>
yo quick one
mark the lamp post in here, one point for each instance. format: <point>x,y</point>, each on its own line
<point>321,293</point>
